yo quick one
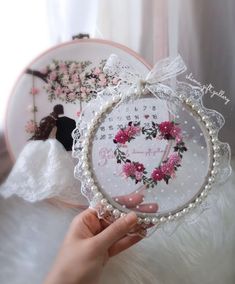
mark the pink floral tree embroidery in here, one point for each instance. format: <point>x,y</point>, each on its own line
<point>71,81</point>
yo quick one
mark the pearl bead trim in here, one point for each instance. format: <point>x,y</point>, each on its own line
<point>155,220</point>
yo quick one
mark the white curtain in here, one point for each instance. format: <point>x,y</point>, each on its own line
<point>200,30</point>
<point>70,17</point>
<point>207,44</point>
<point>24,34</point>
<point>140,25</point>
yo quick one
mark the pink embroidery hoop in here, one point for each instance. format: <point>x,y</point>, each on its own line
<point>19,98</point>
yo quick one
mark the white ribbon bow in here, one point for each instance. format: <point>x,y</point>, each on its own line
<point>131,85</point>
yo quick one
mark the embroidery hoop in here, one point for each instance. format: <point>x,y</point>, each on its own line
<point>117,209</point>
<point>191,98</point>
<point>78,50</point>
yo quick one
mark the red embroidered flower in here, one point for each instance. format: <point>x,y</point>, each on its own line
<point>139,167</point>
<point>129,169</point>
<point>157,175</point>
<point>166,127</point>
<point>121,137</point>
<point>167,169</point>
<point>132,130</point>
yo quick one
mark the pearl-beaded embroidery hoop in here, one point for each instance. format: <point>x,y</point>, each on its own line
<point>114,207</point>
<point>190,98</point>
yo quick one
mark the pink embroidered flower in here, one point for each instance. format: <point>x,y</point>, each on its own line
<point>72,96</point>
<point>167,169</point>
<point>34,91</point>
<point>166,127</point>
<point>53,76</point>
<point>139,167</point>
<point>102,76</point>
<point>62,67</point>
<point>128,169</point>
<point>121,137</point>
<point>102,83</point>
<point>30,127</point>
<point>174,159</point>
<point>65,80</point>
<point>97,71</point>
<point>72,67</point>
<point>58,91</point>
<point>138,175</point>
<point>178,139</point>
<point>176,133</point>
<point>115,81</point>
<point>91,81</point>
<point>75,78</point>
<point>84,92</point>
<point>88,91</point>
<point>71,87</point>
<point>132,130</point>
<point>83,89</point>
<point>157,175</point>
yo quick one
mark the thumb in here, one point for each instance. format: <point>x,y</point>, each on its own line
<point>117,230</point>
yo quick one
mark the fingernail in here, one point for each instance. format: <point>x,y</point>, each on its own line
<point>131,218</point>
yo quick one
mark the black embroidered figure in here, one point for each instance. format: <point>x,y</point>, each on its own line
<point>63,125</point>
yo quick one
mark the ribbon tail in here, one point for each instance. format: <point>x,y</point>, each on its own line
<point>160,91</point>
<point>165,69</point>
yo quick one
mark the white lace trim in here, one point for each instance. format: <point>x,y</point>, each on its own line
<point>128,88</point>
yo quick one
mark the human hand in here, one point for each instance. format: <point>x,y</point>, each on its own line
<point>89,243</point>
<point>135,201</point>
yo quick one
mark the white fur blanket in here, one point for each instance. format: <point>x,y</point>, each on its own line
<point>201,252</point>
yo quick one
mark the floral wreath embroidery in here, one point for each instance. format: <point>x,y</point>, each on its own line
<point>168,130</point>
